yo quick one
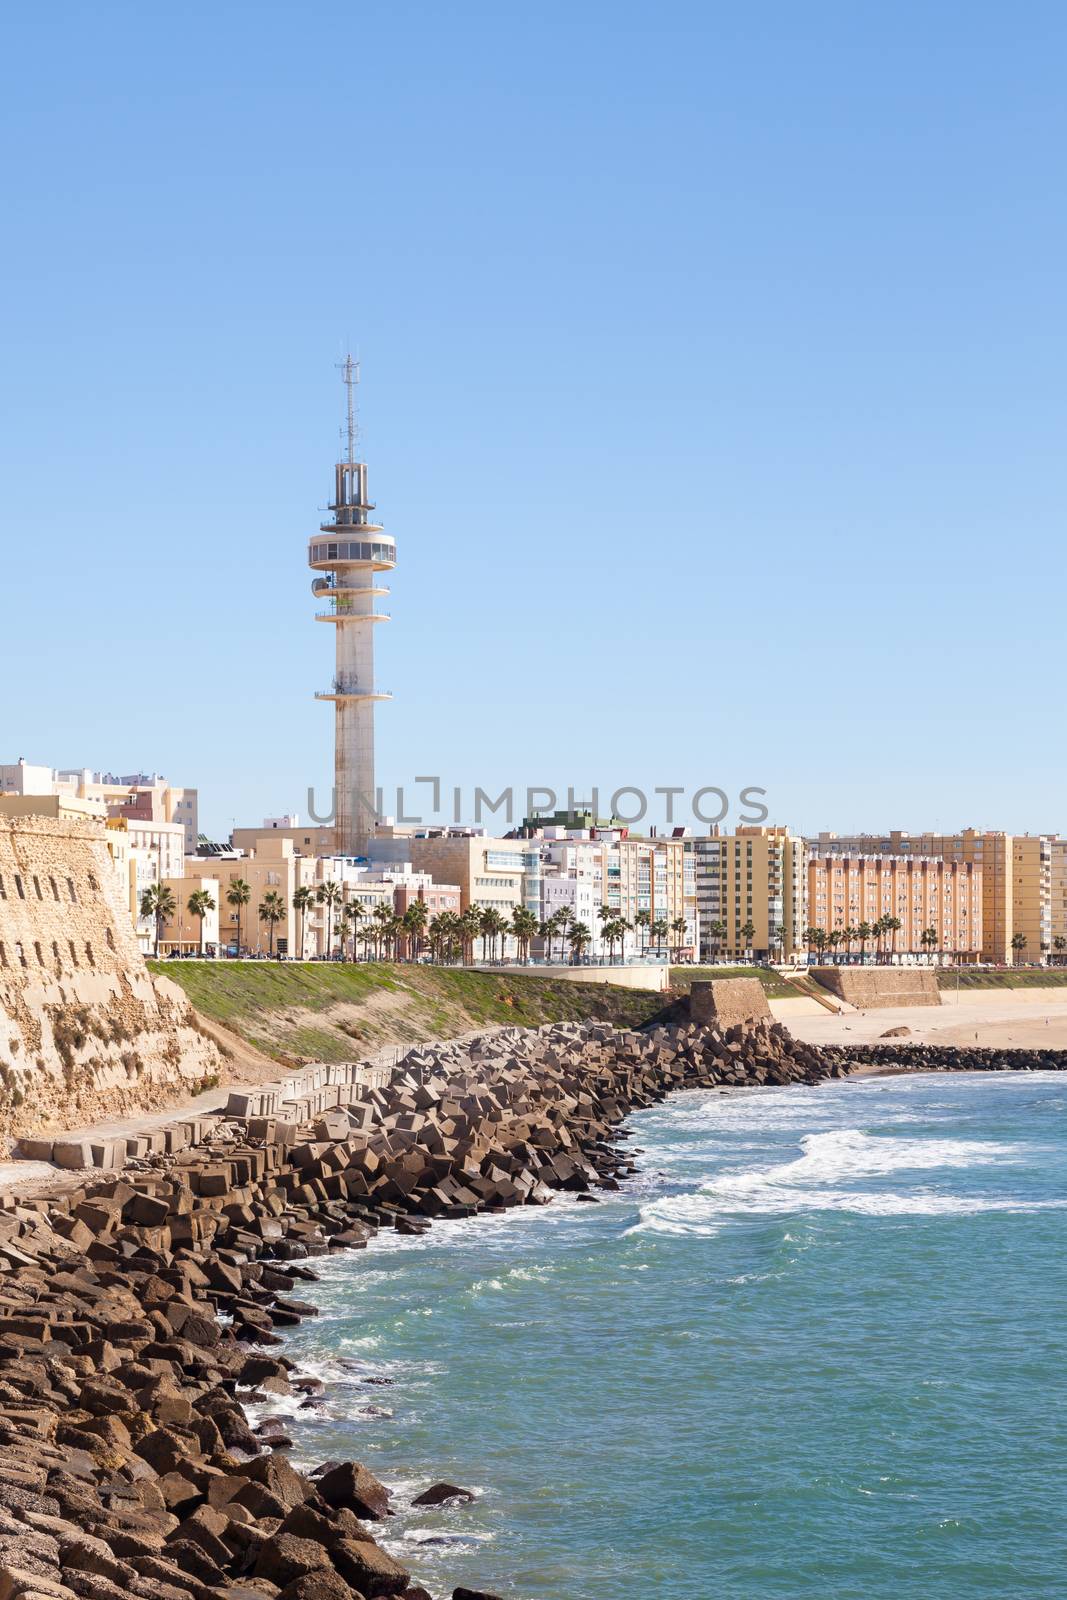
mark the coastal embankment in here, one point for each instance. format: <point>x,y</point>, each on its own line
<point>297,1011</point>
<point>141,1312</point>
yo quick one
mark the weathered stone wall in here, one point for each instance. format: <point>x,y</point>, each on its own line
<point>84,1030</point>
<point>868,988</point>
<point>724,1002</point>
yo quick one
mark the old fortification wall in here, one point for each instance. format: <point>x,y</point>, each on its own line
<point>84,1030</point>
<point>725,1002</point>
<point>869,988</point>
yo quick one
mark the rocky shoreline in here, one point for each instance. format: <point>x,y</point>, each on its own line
<point>139,1313</point>
<point>899,1057</point>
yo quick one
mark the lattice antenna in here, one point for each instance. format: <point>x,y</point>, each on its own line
<point>350,371</point>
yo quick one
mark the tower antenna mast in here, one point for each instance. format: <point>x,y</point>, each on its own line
<point>350,369</point>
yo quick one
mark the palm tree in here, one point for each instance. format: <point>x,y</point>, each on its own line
<point>353,913</point>
<point>717,932</point>
<point>892,925</point>
<point>928,939</point>
<point>643,922</point>
<point>678,929</point>
<point>863,933</point>
<point>1059,944</point>
<point>415,919</point>
<point>329,894</point>
<point>200,902</point>
<point>494,926</point>
<point>381,917</point>
<point>524,925</point>
<point>238,895</point>
<point>446,930</point>
<point>659,931</point>
<point>272,911</point>
<point>303,900</point>
<point>1018,944</point>
<point>748,933</point>
<point>850,935</point>
<point>564,918</point>
<point>579,938</point>
<point>468,928</point>
<point>160,902</point>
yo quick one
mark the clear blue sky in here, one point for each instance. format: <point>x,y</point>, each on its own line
<point>713,363</point>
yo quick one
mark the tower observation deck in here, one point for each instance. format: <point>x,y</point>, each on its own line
<point>348,553</point>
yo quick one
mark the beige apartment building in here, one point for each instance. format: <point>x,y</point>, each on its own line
<point>490,873</point>
<point>274,865</point>
<point>754,876</point>
<point>1016,880</point>
<point>1058,898</point>
<point>1032,896</point>
<point>309,840</point>
<point>920,892</point>
<point>654,875</point>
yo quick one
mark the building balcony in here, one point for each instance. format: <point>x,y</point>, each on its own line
<point>335,585</point>
<point>350,689</point>
<point>343,615</point>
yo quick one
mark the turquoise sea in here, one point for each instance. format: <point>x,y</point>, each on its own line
<point>817,1349</point>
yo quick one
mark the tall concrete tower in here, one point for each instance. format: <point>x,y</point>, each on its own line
<point>348,553</point>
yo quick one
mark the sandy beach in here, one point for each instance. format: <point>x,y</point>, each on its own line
<point>1009,1018</point>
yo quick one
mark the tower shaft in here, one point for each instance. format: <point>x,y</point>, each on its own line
<point>348,553</point>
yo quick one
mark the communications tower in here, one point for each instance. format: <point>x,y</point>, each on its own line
<point>348,553</point>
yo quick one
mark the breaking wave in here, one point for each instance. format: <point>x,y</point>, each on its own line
<point>843,1156</point>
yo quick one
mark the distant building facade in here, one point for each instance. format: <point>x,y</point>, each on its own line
<point>922,893</point>
<point>1016,880</point>
<point>753,878</point>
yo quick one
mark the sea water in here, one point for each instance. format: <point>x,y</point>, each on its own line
<point>817,1348</point>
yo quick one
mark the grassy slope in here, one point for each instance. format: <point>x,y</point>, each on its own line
<point>1019,978</point>
<point>777,987</point>
<point>312,1010</point>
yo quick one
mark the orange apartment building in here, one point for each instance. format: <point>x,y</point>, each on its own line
<point>845,890</point>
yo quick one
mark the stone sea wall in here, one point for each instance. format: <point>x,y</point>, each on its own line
<point>140,1311</point>
<point>868,988</point>
<point>84,1031</point>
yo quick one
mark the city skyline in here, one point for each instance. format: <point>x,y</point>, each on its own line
<point>691,490</point>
